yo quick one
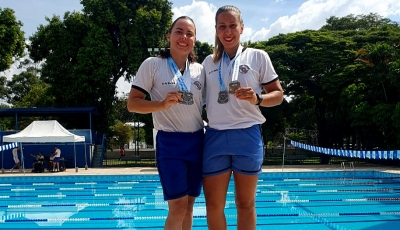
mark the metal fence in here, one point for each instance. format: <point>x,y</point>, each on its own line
<point>293,156</point>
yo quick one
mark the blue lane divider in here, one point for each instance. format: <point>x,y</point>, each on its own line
<point>149,189</point>
<point>8,146</point>
<point>350,200</point>
<point>329,184</point>
<point>139,218</point>
<point>369,154</point>
<point>160,193</point>
<point>334,190</point>
<point>136,183</point>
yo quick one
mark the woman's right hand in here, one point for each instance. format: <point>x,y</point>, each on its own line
<point>172,98</point>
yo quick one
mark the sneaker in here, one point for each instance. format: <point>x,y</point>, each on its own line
<point>11,170</point>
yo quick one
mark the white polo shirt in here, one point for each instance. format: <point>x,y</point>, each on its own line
<point>255,69</point>
<point>156,78</point>
<point>57,153</point>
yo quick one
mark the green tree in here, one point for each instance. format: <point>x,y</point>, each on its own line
<point>12,41</point>
<point>121,112</point>
<point>318,70</point>
<point>382,90</point>
<point>357,22</point>
<point>379,58</point>
<point>122,134</point>
<point>20,85</point>
<point>6,123</point>
<point>86,53</point>
<point>36,97</point>
<point>347,95</point>
<point>294,56</point>
<point>3,88</point>
<point>123,115</point>
<point>202,50</point>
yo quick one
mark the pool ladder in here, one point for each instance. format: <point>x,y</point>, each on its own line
<point>350,167</point>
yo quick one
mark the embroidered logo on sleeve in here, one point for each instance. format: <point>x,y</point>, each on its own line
<point>197,84</point>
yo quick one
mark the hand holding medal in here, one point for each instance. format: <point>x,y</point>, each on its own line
<point>187,98</point>
<point>172,98</point>
<point>246,93</point>
<point>233,70</point>
<point>233,86</point>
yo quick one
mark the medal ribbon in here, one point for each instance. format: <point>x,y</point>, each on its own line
<point>175,70</point>
<point>232,65</point>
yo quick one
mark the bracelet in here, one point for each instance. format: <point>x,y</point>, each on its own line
<point>259,99</point>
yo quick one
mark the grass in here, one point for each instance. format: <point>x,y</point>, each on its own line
<point>268,160</point>
<point>129,163</point>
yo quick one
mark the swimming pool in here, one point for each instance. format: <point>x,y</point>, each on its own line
<point>302,200</point>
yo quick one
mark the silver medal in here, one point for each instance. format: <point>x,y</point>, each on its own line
<point>233,86</point>
<point>223,97</point>
<point>187,98</point>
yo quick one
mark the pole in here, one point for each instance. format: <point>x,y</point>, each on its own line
<point>84,146</point>
<point>22,158</point>
<point>284,151</point>
<point>137,139</point>
<point>76,168</point>
<point>2,152</point>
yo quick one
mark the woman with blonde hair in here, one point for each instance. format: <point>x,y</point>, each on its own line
<point>235,77</point>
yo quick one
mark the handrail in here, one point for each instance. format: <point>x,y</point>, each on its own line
<point>103,146</point>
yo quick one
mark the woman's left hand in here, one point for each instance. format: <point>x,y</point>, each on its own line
<point>247,94</point>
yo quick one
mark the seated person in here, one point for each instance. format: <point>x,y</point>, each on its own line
<point>50,162</point>
<point>51,156</point>
<point>38,159</point>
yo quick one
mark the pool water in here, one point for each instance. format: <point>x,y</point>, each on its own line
<point>303,200</point>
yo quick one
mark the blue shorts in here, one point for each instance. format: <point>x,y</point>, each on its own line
<point>179,157</point>
<point>56,159</point>
<point>239,150</point>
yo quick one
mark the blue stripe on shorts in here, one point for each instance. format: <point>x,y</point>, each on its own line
<point>179,163</point>
<point>239,150</point>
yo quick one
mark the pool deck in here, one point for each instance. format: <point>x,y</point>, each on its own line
<point>153,170</point>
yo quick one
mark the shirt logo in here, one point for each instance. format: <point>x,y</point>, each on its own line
<point>169,83</point>
<point>197,84</point>
<point>213,71</point>
<point>243,69</point>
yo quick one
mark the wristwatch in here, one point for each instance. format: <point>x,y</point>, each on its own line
<point>259,99</point>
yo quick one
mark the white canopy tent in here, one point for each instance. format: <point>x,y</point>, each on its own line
<point>45,132</point>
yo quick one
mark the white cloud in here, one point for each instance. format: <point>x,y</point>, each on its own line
<point>246,35</point>
<point>265,19</point>
<point>203,14</point>
<point>312,14</point>
<point>123,86</point>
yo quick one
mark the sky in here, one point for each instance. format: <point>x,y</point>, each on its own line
<point>263,19</point>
